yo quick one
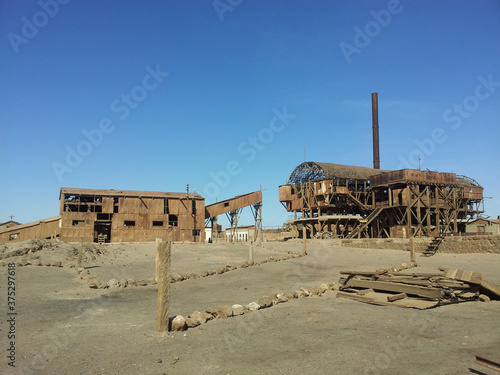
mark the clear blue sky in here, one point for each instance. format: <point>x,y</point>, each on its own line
<point>169,92</point>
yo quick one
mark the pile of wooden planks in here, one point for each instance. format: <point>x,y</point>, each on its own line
<point>416,290</point>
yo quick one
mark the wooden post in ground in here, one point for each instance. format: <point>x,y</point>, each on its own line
<point>250,254</point>
<point>412,250</point>
<point>304,238</point>
<point>163,274</point>
<point>80,252</point>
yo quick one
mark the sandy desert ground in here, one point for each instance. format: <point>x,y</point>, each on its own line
<point>64,327</point>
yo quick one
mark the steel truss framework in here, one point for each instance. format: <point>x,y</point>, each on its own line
<point>399,208</point>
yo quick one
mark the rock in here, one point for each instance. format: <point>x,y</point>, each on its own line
<point>24,262</point>
<point>316,291</point>
<point>131,282</point>
<point>37,262</point>
<point>237,310</point>
<point>179,323</point>
<point>289,296</point>
<point>282,298</point>
<point>274,298</point>
<point>123,283</point>
<point>306,292</point>
<point>324,287</point>
<point>252,306</point>
<point>220,312</point>
<point>197,318</point>
<point>224,312</point>
<point>177,277</point>
<point>211,311</point>
<point>57,264</point>
<point>264,302</point>
<point>484,298</point>
<point>219,271</point>
<point>95,284</point>
<point>113,283</point>
<point>335,286</point>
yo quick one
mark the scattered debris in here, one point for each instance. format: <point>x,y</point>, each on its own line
<point>389,287</point>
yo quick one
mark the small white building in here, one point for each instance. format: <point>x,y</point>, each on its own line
<point>243,234</point>
<point>489,226</point>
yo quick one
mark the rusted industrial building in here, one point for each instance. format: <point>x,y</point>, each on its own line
<point>333,200</point>
<point>118,215</point>
<point>131,216</point>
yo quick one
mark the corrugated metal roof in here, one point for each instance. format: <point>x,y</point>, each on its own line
<point>127,193</point>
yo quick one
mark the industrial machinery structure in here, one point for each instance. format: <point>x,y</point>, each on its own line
<point>333,200</point>
<point>97,215</point>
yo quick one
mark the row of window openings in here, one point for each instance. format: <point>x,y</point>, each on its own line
<point>98,208</point>
<point>131,223</point>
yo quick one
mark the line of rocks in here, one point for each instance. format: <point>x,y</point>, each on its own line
<point>180,323</point>
<point>95,283</point>
<point>25,262</point>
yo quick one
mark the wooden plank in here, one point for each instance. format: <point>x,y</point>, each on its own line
<point>491,288</point>
<point>431,293</point>
<point>396,297</point>
<point>361,273</point>
<point>417,274</point>
<point>356,297</point>
<point>362,292</point>
<point>462,275</point>
<point>380,299</point>
<point>487,362</point>
<point>406,280</point>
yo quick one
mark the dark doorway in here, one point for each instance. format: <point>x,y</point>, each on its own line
<point>102,231</point>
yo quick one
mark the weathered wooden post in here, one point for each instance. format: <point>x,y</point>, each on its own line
<point>250,254</point>
<point>80,252</point>
<point>163,277</point>
<point>412,250</point>
<point>304,235</point>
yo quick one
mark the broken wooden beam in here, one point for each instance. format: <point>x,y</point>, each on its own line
<point>431,293</point>
<point>396,297</point>
<point>462,275</point>
<point>488,362</point>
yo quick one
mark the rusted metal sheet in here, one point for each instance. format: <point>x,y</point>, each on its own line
<point>233,204</point>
